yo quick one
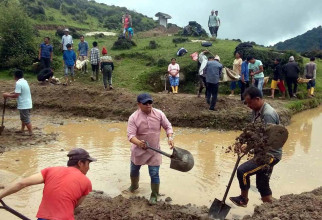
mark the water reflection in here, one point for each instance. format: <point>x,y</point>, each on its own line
<point>297,172</point>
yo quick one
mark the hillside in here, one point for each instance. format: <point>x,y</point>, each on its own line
<point>311,40</point>
<point>81,14</point>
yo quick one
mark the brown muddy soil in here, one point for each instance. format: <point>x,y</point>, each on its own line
<point>183,110</point>
<point>306,205</point>
<point>10,140</point>
<point>98,206</point>
<point>160,31</point>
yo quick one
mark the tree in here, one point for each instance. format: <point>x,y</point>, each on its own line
<point>17,48</point>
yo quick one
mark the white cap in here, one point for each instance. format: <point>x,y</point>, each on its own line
<point>291,59</point>
<point>217,58</point>
<point>66,29</point>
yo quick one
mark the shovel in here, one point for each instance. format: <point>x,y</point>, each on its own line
<point>181,159</point>
<point>219,209</point>
<point>4,109</point>
<point>12,211</point>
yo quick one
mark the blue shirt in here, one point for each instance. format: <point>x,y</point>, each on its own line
<point>46,50</point>
<point>24,99</point>
<point>83,48</point>
<point>69,57</point>
<point>130,30</point>
<point>245,71</point>
<point>213,71</point>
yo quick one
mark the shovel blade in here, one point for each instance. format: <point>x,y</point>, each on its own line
<point>181,160</point>
<point>1,129</point>
<point>218,210</point>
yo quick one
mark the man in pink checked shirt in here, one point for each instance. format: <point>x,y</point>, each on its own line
<point>144,125</point>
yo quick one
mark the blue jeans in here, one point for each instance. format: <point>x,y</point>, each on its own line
<point>233,85</point>
<point>259,84</point>
<point>153,171</point>
<point>311,84</point>
<point>69,69</point>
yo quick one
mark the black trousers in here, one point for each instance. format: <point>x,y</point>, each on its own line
<point>263,175</point>
<point>291,85</point>
<point>202,84</point>
<point>244,86</point>
<point>45,63</point>
<point>212,92</point>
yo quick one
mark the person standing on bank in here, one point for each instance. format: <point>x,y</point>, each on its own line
<point>66,39</point>
<point>45,53</point>
<point>214,23</point>
<point>267,115</point>
<point>107,67</point>
<point>173,70</point>
<point>244,78</point>
<point>95,61</point>
<point>291,71</point>
<point>144,125</point>
<point>202,63</point>
<point>24,102</point>
<point>310,73</point>
<point>65,188</point>
<point>83,51</point>
<point>213,73</point>
<point>257,72</point>
<point>278,79</point>
<point>237,69</point>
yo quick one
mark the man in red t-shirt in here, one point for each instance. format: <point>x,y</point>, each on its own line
<point>65,187</point>
<point>127,22</point>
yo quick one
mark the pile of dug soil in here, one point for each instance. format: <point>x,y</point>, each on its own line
<point>11,140</point>
<point>123,44</point>
<point>99,206</point>
<point>306,205</point>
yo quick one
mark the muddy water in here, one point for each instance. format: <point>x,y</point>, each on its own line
<point>298,171</point>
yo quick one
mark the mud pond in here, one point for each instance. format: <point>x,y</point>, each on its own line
<point>299,170</point>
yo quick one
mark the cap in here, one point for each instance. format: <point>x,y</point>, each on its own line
<point>80,154</point>
<point>66,29</point>
<point>144,97</point>
<point>217,58</point>
<point>291,58</point>
<point>104,51</point>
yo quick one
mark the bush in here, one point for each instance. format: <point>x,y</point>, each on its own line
<point>179,40</point>
<point>17,44</point>
<point>123,44</point>
<point>53,3</point>
<point>162,62</point>
<point>313,53</point>
<point>153,45</point>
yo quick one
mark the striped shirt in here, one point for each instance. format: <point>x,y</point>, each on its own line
<point>95,56</point>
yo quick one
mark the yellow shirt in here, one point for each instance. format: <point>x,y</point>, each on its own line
<point>237,65</point>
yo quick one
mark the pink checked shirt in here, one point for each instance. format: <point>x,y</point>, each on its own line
<point>148,128</point>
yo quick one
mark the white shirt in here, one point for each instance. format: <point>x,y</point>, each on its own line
<point>24,100</point>
<point>66,40</point>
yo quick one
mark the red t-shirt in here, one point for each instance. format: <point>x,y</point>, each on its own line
<point>64,186</point>
<point>126,22</point>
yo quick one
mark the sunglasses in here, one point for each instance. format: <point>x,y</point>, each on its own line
<point>148,103</point>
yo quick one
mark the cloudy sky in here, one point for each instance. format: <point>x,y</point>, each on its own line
<point>263,21</point>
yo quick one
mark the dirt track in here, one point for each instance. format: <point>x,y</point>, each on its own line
<point>183,110</point>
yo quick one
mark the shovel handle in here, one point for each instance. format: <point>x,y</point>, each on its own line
<point>12,211</point>
<point>232,177</point>
<point>4,109</point>
<point>157,150</point>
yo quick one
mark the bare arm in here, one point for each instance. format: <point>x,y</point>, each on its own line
<point>261,69</point>
<point>11,95</point>
<point>39,54</point>
<point>29,181</point>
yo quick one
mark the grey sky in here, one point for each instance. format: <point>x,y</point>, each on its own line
<point>263,21</point>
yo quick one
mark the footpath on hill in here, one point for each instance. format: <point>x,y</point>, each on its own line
<point>183,110</point>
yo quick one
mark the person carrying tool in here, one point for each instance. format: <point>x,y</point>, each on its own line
<point>144,125</point>
<point>24,102</point>
<point>267,115</point>
<point>65,188</point>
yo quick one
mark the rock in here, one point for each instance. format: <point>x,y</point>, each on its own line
<point>62,149</point>
<point>168,199</point>
<point>61,123</point>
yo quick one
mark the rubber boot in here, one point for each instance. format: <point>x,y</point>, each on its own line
<point>154,195</point>
<point>312,91</point>
<point>176,88</point>
<point>173,90</point>
<point>134,183</point>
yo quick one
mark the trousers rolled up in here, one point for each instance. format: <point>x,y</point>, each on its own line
<point>263,173</point>
<point>153,172</point>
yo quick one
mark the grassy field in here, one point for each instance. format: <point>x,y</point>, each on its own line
<point>134,64</point>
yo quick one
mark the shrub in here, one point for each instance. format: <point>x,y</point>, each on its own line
<point>313,53</point>
<point>162,62</point>
<point>180,40</point>
<point>53,3</point>
<point>17,44</point>
<point>123,44</point>
<point>153,45</point>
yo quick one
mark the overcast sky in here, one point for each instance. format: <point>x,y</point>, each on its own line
<point>263,21</point>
